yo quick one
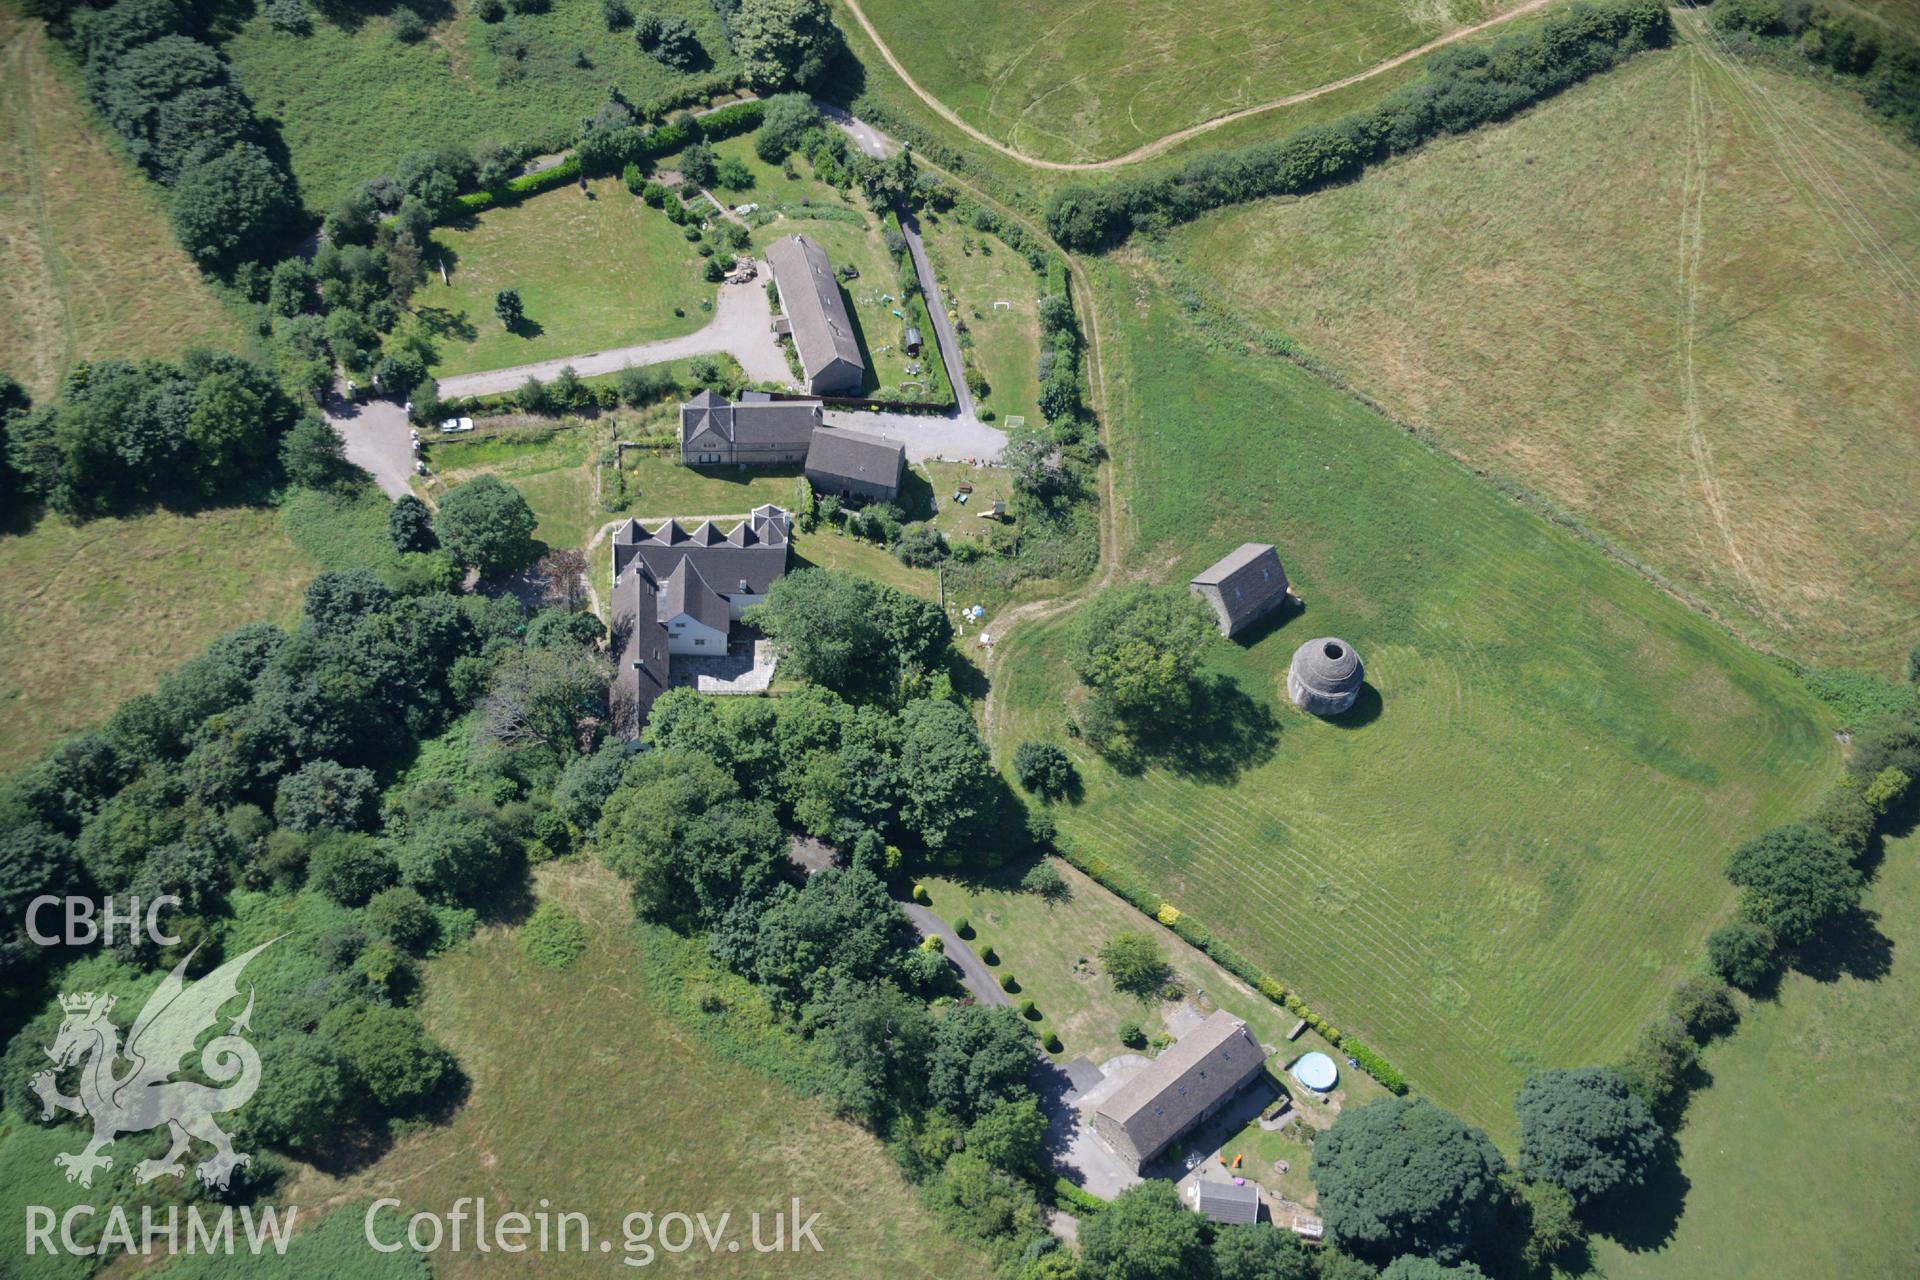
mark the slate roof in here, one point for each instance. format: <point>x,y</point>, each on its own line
<point>1248,580</point>
<point>745,560</point>
<point>1226,1203</point>
<point>751,424</point>
<point>1199,1069</point>
<point>822,330</point>
<point>685,591</point>
<point>642,673</point>
<point>856,455</point>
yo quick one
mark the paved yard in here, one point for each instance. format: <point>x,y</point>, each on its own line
<point>378,438</point>
<point>954,439</point>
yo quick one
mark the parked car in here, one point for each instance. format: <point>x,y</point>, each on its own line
<point>457,424</point>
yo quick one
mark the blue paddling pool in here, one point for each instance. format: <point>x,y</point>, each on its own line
<point>1316,1071</point>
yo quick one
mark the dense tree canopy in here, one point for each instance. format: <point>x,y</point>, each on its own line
<point>1402,1176</point>
<point>1583,1131</point>
<point>1258,1251</point>
<point>1145,1234</point>
<point>485,524</point>
<point>981,1057</point>
<point>234,206</point>
<point>1138,648</point>
<point>1794,880</point>
<point>851,634</point>
<point>785,43</point>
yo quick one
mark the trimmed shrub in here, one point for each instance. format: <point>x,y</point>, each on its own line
<point>1052,1043</point>
<point>1132,1036</point>
<point>964,928</point>
<point>1009,984</point>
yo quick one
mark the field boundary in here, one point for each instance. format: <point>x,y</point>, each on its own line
<point>1165,142</point>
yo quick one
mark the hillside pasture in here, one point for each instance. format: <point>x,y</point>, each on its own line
<point>88,263</point>
<point>1847,1170</point>
<point>94,613</point>
<point>594,271</point>
<point>350,99</point>
<point>1676,302</point>
<point>592,1096</point>
<point>1511,848</point>
<point>1063,80</point>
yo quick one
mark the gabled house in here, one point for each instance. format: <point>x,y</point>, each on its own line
<point>1189,1082</point>
<point>856,464</point>
<point>758,430</point>
<point>678,591</point>
<point>1242,586</point>
<point>816,316</point>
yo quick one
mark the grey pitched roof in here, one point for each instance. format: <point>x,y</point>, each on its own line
<point>754,553</point>
<point>1225,1202</point>
<point>685,591</point>
<point>642,673</point>
<point>1207,1064</point>
<point>1248,579</point>
<point>856,455</point>
<point>822,330</point>
<point>753,424</point>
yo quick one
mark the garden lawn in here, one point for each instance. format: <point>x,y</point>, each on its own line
<point>963,523</point>
<point>351,100</point>
<point>591,1095</point>
<point>92,614</point>
<point>88,263</point>
<point>871,299</point>
<point>1053,951</point>
<point>976,273</point>
<point>1058,80</point>
<point>1675,302</point>
<point>592,274</point>
<point>1807,1144</point>
<point>1507,853</point>
<point>550,466</point>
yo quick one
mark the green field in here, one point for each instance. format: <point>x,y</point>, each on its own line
<point>976,273</point>
<point>1807,1145</point>
<point>351,100</point>
<point>94,613</point>
<point>586,1092</point>
<point>88,263</point>
<point>1675,302</point>
<point>1507,853</point>
<point>592,274</point>
<point>1062,80</point>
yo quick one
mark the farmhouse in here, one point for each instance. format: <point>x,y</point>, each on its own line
<point>817,316</point>
<point>1185,1085</point>
<point>678,591</point>
<point>757,430</point>
<point>855,464</point>
<point>1325,676</point>
<point>1243,586</point>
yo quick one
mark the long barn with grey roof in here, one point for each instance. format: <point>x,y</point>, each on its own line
<point>1197,1075</point>
<point>817,316</point>
<point>1242,586</point>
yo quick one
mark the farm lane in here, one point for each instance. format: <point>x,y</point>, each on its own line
<point>937,312</point>
<point>974,973</point>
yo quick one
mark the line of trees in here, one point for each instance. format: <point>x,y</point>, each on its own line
<point>1465,86</point>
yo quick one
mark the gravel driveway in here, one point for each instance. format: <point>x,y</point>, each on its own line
<point>974,973</point>
<point>378,438</point>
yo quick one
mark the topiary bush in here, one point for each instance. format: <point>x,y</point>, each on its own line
<point>964,928</point>
<point>989,955</point>
<point>1052,1043</point>
<point>1132,1036</point>
<point>1008,983</point>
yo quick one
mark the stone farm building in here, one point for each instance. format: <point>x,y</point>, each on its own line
<point>1197,1075</point>
<point>816,316</point>
<point>1243,586</point>
<point>757,431</point>
<point>679,591</point>
<point>855,464</point>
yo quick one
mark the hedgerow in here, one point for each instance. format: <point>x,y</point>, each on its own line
<point>1465,86</point>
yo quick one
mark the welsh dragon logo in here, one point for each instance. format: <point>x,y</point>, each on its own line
<point>145,1095</point>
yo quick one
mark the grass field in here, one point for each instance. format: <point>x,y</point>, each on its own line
<point>1676,302</point>
<point>88,263</point>
<point>552,470</point>
<point>1063,80</point>
<point>1506,854</point>
<point>587,1093</point>
<point>350,101</point>
<point>1772,1175</point>
<point>977,272</point>
<point>592,274</point>
<point>94,613</point>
